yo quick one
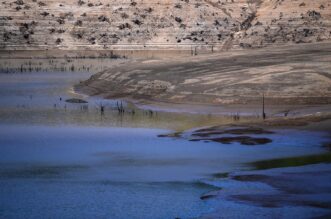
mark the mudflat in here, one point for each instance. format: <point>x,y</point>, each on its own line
<point>286,75</point>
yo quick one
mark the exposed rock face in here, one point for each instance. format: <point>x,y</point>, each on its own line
<point>105,24</point>
<point>284,21</point>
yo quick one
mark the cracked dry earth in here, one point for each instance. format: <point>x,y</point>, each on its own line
<point>299,74</point>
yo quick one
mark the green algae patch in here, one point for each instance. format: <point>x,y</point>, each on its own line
<point>76,100</point>
<point>220,175</point>
<point>292,161</point>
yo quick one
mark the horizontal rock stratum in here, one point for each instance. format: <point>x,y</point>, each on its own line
<point>141,24</point>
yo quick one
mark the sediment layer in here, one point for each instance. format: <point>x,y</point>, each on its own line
<point>290,75</point>
<point>146,24</point>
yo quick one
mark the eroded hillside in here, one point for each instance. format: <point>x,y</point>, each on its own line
<point>105,24</point>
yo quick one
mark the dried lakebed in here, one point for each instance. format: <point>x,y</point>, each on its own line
<point>287,75</point>
<point>59,159</point>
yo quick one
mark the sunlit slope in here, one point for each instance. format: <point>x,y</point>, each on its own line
<point>224,24</point>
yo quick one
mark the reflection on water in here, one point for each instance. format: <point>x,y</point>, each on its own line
<point>92,116</point>
<point>64,168</point>
<point>134,154</point>
<point>61,160</point>
<point>39,98</point>
<point>101,199</point>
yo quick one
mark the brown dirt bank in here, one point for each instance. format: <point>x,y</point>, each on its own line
<point>121,52</point>
<point>288,75</point>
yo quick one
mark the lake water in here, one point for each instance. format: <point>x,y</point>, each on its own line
<point>63,160</point>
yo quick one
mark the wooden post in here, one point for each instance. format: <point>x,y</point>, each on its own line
<point>263,112</point>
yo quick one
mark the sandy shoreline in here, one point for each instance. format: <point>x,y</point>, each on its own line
<point>290,76</point>
<point>295,81</point>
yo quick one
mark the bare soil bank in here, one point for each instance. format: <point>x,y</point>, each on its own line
<point>289,75</point>
<point>130,52</point>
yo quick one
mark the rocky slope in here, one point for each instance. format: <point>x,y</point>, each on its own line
<point>108,24</point>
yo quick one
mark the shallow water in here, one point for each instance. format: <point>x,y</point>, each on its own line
<point>61,161</point>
